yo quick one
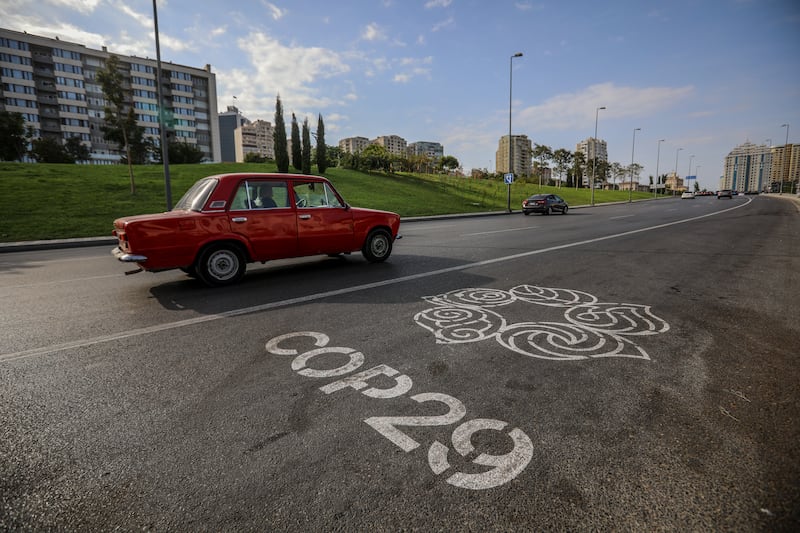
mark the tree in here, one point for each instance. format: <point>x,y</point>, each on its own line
<point>322,150</point>
<point>184,153</point>
<point>449,162</point>
<point>544,153</point>
<point>120,120</point>
<point>297,147</point>
<point>12,136</point>
<point>50,150</point>
<point>374,157</point>
<point>279,138</point>
<point>617,171</point>
<point>563,159</point>
<point>578,168</point>
<point>77,150</point>
<point>306,149</point>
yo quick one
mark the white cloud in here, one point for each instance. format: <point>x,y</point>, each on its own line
<point>373,32</point>
<point>437,3</point>
<point>576,110</point>
<point>275,12</point>
<point>82,6</point>
<point>146,21</point>
<point>444,24</point>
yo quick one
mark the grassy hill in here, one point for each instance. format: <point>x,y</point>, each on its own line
<point>44,201</point>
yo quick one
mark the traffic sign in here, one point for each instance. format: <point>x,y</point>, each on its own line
<point>508,178</point>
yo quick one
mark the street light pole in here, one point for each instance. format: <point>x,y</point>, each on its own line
<point>658,157</point>
<point>786,160</point>
<point>594,164</point>
<point>633,148</point>
<point>510,144</point>
<point>161,124</point>
<point>676,168</point>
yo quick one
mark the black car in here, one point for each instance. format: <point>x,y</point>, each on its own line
<point>545,204</point>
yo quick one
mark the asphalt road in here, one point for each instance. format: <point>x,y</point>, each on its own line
<point>629,367</point>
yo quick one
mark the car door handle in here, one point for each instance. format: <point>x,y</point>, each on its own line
<point>239,220</point>
<point>305,217</point>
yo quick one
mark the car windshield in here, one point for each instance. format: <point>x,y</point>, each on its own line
<point>195,198</point>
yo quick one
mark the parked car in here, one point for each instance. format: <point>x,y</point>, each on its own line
<point>724,193</point>
<point>687,195</point>
<point>545,204</point>
<point>225,221</point>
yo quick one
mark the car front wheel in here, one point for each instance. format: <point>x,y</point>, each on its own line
<point>564,211</point>
<point>378,246</point>
<point>221,264</point>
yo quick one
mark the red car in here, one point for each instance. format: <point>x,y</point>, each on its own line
<point>226,221</point>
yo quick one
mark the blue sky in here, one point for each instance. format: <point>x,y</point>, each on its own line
<point>705,75</point>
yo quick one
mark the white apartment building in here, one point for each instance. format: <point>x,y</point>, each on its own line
<point>430,149</point>
<point>747,168</point>
<point>254,138</point>
<point>53,84</point>
<point>522,152</point>
<point>353,145</point>
<point>592,146</point>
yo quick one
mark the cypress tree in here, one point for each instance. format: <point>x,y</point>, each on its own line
<point>322,150</point>
<point>306,151</point>
<point>297,148</point>
<point>279,138</point>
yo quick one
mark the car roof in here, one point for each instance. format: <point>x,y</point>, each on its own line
<point>266,175</point>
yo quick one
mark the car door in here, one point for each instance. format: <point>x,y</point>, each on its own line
<point>261,213</point>
<point>324,222</point>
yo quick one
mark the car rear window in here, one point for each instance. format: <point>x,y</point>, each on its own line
<point>196,197</point>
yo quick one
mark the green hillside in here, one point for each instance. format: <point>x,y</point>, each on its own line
<point>45,201</point>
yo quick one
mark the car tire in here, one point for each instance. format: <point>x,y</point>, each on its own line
<point>564,211</point>
<point>221,264</point>
<point>377,246</point>
<point>547,210</point>
<point>190,271</point>
<point>526,213</point>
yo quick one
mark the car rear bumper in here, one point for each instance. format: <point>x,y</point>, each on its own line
<point>125,257</point>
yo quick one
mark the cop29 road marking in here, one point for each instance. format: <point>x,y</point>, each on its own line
<point>504,467</point>
<point>82,343</point>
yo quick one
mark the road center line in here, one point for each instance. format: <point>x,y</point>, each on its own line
<point>46,350</point>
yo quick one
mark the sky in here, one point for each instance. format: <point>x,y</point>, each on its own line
<point>703,75</point>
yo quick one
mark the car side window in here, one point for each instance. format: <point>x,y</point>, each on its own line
<point>314,194</point>
<point>260,195</point>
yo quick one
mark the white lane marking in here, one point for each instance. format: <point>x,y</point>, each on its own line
<point>623,216</point>
<point>497,231</point>
<point>58,282</point>
<point>82,343</point>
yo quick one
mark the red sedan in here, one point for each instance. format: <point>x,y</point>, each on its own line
<point>226,221</point>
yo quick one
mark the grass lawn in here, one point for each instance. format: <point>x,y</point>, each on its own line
<point>44,201</point>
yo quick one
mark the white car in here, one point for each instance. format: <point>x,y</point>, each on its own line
<point>688,194</point>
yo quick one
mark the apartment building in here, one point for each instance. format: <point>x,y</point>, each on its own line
<point>592,146</point>
<point>394,144</point>
<point>229,121</point>
<point>433,150</point>
<point>255,138</point>
<point>353,145</point>
<point>747,168</point>
<point>53,83</point>
<point>785,168</point>
<point>522,152</point>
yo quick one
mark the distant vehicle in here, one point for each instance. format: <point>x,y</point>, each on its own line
<point>544,204</point>
<point>688,195</point>
<point>724,193</point>
<point>226,221</point>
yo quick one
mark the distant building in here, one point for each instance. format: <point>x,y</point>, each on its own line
<point>255,138</point>
<point>785,167</point>
<point>521,154</point>
<point>747,168</point>
<point>229,122</point>
<point>394,144</point>
<point>53,84</point>
<point>591,146</point>
<point>353,145</point>
<point>674,182</point>
<point>433,150</point>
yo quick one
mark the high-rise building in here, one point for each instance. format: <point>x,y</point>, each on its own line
<point>255,138</point>
<point>433,150</point>
<point>521,154</point>
<point>353,145</point>
<point>747,168</point>
<point>592,146</point>
<point>785,168</point>
<point>53,84</point>
<point>394,144</point>
<point>229,121</point>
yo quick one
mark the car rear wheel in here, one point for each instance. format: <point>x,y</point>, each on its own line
<point>221,264</point>
<point>547,210</point>
<point>377,246</point>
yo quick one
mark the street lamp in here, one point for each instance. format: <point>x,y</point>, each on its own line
<point>658,157</point>
<point>161,125</point>
<point>510,144</point>
<point>594,164</point>
<point>678,151</point>
<point>785,155</point>
<point>633,147</point>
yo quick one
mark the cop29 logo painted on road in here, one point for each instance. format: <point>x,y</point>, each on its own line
<point>592,328</point>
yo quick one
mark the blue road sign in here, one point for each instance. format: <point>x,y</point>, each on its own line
<point>508,178</point>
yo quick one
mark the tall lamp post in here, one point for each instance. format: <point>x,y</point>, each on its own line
<point>594,164</point>
<point>786,161</point>
<point>633,148</point>
<point>510,144</point>
<point>161,124</point>
<point>678,151</point>
<point>658,157</point>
